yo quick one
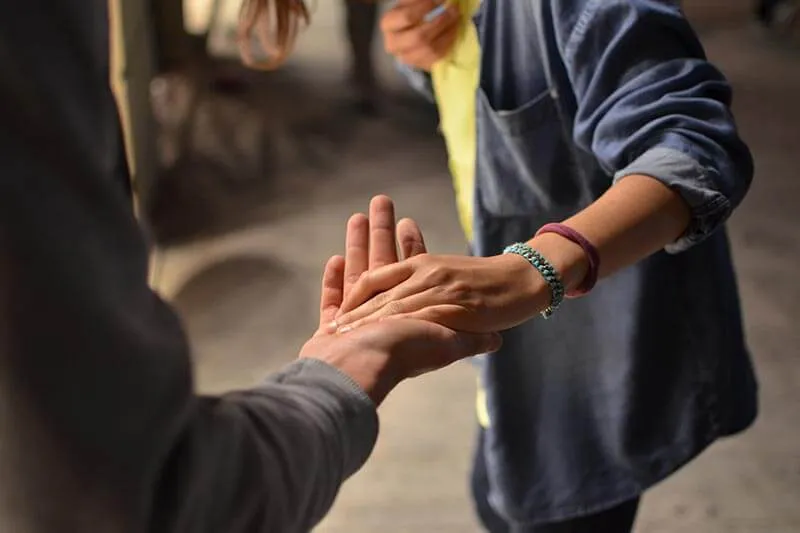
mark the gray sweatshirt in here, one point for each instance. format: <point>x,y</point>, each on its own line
<point>100,429</point>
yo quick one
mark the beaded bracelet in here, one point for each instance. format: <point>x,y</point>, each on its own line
<point>546,270</point>
<point>592,256</point>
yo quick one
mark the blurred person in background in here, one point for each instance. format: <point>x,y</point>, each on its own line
<point>176,47</point>
<point>361,25</point>
<point>589,141</point>
<point>100,428</point>
<point>276,23</point>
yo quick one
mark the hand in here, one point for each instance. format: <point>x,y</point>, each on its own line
<point>379,356</point>
<point>415,41</point>
<point>477,294</point>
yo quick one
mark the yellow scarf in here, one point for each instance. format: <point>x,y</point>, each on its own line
<point>455,82</point>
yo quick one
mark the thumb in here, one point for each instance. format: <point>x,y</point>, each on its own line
<point>478,343</point>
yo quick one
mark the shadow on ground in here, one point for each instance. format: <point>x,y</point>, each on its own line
<point>239,298</point>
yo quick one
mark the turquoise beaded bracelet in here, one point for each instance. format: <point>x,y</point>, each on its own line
<point>546,270</point>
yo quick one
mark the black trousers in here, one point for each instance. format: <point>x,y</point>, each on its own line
<point>618,519</point>
<point>361,23</point>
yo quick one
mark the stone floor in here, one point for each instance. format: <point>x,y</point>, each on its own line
<point>247,294</point>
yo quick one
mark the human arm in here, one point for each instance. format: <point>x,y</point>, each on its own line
<point>99,423</point>
<point>656,116</point>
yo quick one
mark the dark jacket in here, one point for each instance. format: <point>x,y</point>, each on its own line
<point>622,387</point>
<point>100,429</point>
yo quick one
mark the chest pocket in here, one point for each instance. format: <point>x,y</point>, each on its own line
<point>524,164</point>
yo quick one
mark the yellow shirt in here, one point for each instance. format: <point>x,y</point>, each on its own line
<point>455,83</point>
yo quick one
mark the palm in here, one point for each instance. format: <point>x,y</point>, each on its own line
<point>371,242</point>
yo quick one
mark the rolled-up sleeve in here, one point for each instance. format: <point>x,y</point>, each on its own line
<point>650,103</point>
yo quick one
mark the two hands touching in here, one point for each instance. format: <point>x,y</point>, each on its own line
<point>380,354</point>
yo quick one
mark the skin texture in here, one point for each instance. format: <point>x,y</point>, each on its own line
<point>379,356</point>
<point>634,219</point>
<point>415,41</point>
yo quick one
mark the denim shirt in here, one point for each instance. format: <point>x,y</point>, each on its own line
<point>622,387</point>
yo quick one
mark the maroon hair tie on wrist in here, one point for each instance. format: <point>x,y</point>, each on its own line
<point>588,248</point>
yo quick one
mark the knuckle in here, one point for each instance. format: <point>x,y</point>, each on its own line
<point>438,274</point>
<point>460,291</point>
<point>368,278</point>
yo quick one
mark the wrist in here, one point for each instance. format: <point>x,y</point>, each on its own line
<point>567,257</point>
<point>531,292</point>
<point>369,369</point>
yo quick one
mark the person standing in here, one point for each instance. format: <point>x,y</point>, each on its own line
<point>595,161</point>
<point>100,427</point>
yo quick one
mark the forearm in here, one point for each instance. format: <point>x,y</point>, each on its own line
<point>271,458</point>
<point>656,116</point>
<point>635,218</point>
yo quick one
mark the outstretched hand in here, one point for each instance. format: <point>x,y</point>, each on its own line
<point>370,242</point>
<point>379,356</point>
<point>477,294</point>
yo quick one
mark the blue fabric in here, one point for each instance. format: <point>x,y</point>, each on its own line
<point>620,388</point>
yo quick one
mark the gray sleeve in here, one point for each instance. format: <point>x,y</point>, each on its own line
<point>99,422</point>
<point>270,459</point>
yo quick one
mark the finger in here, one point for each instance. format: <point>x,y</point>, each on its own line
<point>407,14</point>
<point>364,295</point>
<point>424,36</point>
<point>404,300</point>
<point>465,344</point>
<point>410,239</point>
<point>453,346</point>
<point>469,344</point>
<point>426,56</point>
<point>332,293</point>
<point>356,250</point>
<point>452,316</point>
<point>382,245</point>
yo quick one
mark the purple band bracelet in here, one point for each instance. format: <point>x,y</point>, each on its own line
<point>592,255</point>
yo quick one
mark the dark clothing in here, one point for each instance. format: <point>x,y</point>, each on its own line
<point>618,519</point>
<point>100,429</point>
<point>620,388</point>
<point>361,22</point>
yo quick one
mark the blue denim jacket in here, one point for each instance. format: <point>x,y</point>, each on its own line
<point>624,386</point>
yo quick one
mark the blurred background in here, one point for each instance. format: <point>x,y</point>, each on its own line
<point>245,180</point>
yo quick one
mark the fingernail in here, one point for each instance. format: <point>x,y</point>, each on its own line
<point>344,329</point>
<point>332,326</point>
<point>436,12</point>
